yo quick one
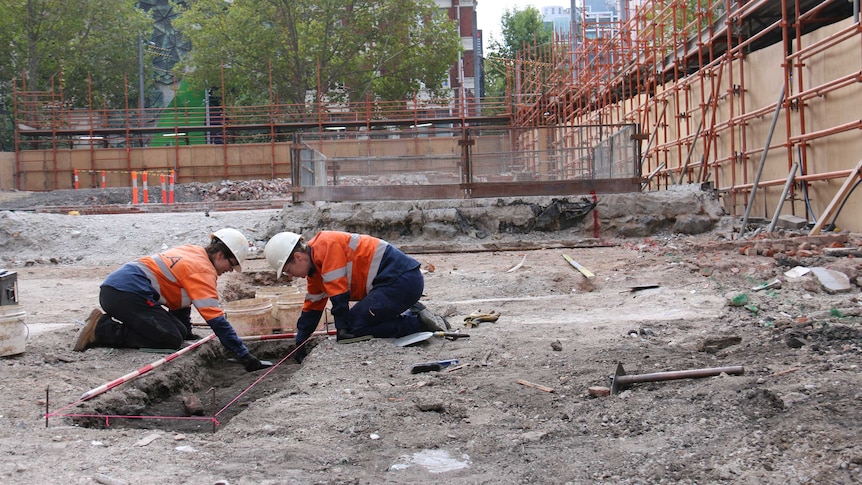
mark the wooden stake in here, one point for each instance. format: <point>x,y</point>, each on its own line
<point>535,386</point>
<point>786,371</point>
<point>836,201</point>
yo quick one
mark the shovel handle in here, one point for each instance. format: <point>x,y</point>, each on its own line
<point>451,335</point>
<point>679,374</point>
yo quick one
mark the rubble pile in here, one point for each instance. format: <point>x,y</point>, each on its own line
<point>229,190</point>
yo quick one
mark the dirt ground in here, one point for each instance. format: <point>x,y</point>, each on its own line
<point>514,409</point>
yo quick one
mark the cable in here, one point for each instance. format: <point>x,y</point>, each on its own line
<point>805,186</point>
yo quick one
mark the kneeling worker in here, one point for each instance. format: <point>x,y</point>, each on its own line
<point>385,283</point>
<point>148,301</point>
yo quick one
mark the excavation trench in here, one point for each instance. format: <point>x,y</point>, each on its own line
<point>199,392</point>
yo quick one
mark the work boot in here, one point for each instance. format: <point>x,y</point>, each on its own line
<point>343,337</point>
<point>432,322</point>
<point>417,307</point>
<point>191,335</point>
<point>87,334</point>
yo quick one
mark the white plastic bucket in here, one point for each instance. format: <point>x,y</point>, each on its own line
<point>250,317</point>
<point>13,330</point>
<point>287,306</point>
<point>286,314</point>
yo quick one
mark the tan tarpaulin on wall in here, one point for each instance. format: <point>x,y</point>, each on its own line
<point>7,170</point>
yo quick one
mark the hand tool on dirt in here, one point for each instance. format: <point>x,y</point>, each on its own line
<point>577,266</point>
<point>473,319</point>
<point>143,370</point>
<point>264,363</point>
<point>415,338</point>
<point>432,366</point>
<point>621,381</point>
<point>645,286</point>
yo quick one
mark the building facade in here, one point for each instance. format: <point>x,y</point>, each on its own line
<point>465,77</point>
<point>583,19</point>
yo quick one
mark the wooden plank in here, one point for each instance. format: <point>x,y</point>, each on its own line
<point>842,194</point>
<point>535,386</point>
<point>577,266</point>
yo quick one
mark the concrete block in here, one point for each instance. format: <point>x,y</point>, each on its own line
<point>832,281</point>
<point>791,222</point>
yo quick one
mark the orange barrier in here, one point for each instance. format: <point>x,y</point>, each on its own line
<point>172,188</point>
<point>164,192</point>
<point>167,193</point>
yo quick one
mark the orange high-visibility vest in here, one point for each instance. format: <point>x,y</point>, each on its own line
<point>343,262</point>
<point>184,276</point>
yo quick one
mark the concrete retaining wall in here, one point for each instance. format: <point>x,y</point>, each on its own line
<point>685,209</point>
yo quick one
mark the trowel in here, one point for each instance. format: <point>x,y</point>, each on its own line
<point>264,363</point>
<point>415,338</point>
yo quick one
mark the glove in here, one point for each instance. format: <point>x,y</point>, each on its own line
<point>473,319</point>
<point>251,363</point>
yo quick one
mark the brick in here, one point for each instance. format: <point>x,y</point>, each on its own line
<point>599,391</point>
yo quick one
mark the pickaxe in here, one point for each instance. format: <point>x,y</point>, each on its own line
<point>622,381</point>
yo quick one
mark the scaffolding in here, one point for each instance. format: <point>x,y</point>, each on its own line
<point>329,148</point>
<point>723,91</point>
<point>733,94</point>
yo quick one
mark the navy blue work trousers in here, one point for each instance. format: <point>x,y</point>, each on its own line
<point>142,323</point>
<point>383,312</point>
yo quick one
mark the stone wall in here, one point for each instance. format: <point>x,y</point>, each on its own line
<point>686,209</point>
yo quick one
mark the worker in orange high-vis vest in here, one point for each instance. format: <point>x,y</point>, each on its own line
<point>341,267</point>
<point>148,301</point>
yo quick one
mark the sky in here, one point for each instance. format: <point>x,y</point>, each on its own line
<point>489,13</point>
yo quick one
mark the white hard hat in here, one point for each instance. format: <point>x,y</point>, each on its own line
<point>236,242</point>
<point>278,249</point>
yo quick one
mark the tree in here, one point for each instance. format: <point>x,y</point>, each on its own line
<point>61,44</point>
<point>386,48</point>
<point>521,30</point>
<point>86,49</point>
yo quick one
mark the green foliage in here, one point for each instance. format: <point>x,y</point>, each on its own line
<point>678,20</point>
<point>60,45</point>
<point>86,49</point>
<point>276,50</point>
<point>265,50</point>
<point>521,29</point>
